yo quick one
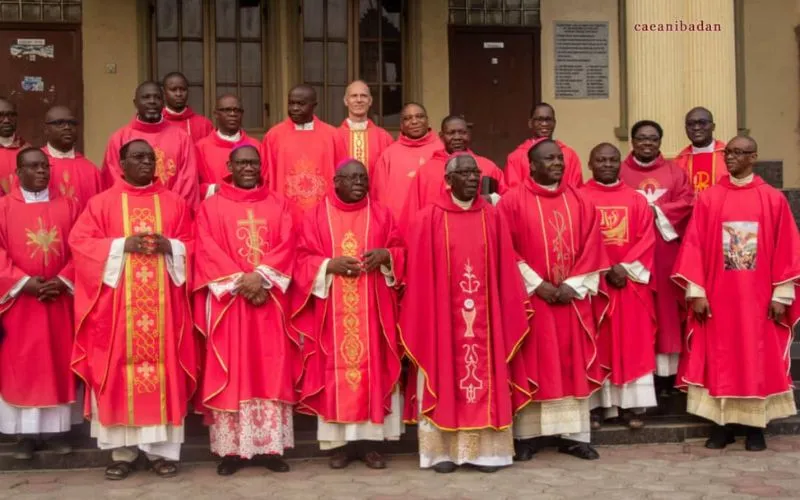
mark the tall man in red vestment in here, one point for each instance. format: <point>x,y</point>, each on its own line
<point>301,152</point>
<point>556,234</point>
<point>365,141</point>
<point>465,314</point>
<point>176,157</point>
<point>37,388</point>
<point>349,259</point>
<point>245,243</point>
<point>134,345</point>
<point>740,265</point>
<point>398,165</point>
<point>627,329</point>
<point>666,188</point>
<point>214,150</point>
<point>72,175</point>
<point>10,144</point>
<point>704,159</point>
<point>177,111</point>
<point>542,124</point>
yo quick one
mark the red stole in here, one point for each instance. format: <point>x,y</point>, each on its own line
<point>197,126</point>
<point>213,154</point>
<point>518,167</point>
<point>135,353</point>
<point>703,169</point>
<point>75,178</point>
<point>8,163</point>
<point>35,353</point>
<point>365,145</point>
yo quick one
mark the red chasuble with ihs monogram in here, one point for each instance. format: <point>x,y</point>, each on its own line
<point>135,347</point>
<point>351,347</point>
<point>35,352</point>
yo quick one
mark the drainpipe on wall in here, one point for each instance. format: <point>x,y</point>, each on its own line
<point>738,36</point>
<point>622,130</point>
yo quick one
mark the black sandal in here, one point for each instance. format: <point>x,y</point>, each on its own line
<point>117,471</point>
<point>164,468</point>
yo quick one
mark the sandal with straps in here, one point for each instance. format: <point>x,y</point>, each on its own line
<point>117,471</point>
<point>164,468</point>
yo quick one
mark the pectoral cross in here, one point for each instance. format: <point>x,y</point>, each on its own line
<point>252,232</point>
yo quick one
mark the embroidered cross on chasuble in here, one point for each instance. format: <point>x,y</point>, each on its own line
<point>558,236</point>
<point>253,234</point>
<point>359,146</point>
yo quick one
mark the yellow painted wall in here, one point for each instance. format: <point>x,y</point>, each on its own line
<point>434,60</point>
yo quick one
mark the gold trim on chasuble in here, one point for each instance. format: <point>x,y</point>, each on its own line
<point>359,146</point>
<point>304,184</point>
<point>564,252</point>
<point>253,233</point>
<point>44,240</point>
<point>703,180</point>
<point>614,225</point>
<point>165,167</point>
<point>144,310</point>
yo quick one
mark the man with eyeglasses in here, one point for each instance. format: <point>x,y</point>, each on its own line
<point>703,160</point>
<point>668,192</point>
<point>365,141</point>
<point>177,111</point>
<point>542,124</point>
<point>246,244</point>
<point>214,150</point>
<point>10,144</point>
<point>350,259</point>
<point>465,313</point>
<point>740,267</point>
<point>71,174</point>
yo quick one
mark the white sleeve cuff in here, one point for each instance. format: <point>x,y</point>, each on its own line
<point>70,284</point>
<point>388,274</point>
<point>695,291</point>
<point>15,290</point>
<point>322,282</point>
<point>664,226</point>
<point>211,190</point>
<point>220,288</point>
<point>273,277</point>
<point>115,263</point>
<point>176,263</point>
<point>784,293</point>
<point>584,284</point>
<point>637,272</point>
<point>529,276</point>
<point>494,197</point>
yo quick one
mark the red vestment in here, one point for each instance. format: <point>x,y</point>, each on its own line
<point>197,126</point>
<point>703,169</point>
<point>8,163</point>
<point>670,184</point>
<point>557,233</point>
<point>75,178</point>
<point>134,347</point>
<point>250,351</point>
<point>299,164</point>
<point>176,157</point>
<point>627,329</point>
<point>35,352</point>
<point>366,145</point>
<point>741,242</point>
<point>213,153</point>
<point>518,168</point>
<point>351,349</point>
<point>393,174</point>
<point>465,314</point>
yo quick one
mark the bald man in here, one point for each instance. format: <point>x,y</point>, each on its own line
<point>703,159</point>
<point>365,141</point>
<point>10,144</point>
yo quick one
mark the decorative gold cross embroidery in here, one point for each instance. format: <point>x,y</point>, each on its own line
<point>43,239</point>
<point>253,233</point>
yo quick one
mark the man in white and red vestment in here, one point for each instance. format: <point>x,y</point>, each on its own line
<point>556,234</point>
<point>398,165</point>
<point>37,387</point>
<point>349,261</point>
<point>465,314</point>
<point>300,153</point>
<point>666,188</point>
<point>542,124</point>
<point>176,156</point>
<point>214,150</point>
<point>627,329</point>
<point>740,265</point>
<point>704,159</point>
<point>365,141</point>
<point>72,175</point>
<point>135,347</point>
<point>246,245</point>
<point>10,144</point>
<point>177,111</point>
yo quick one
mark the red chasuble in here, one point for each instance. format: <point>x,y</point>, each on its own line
<point>351,346</point>
<point>670,184</point>
<point>627,329</point>
<point>741,242</point>
<point>518,168</point>
<point>393,174</point>
<point>557,233</point>
<point>300,163</point>
<point>75,178</point>
<point>35,352</point>
<point>134,345</point>
<point>704,169</point>
<point>465,314</point>
<point>8,163</point>
<point>176,157</point>
<point>197,126</point>
<point>213,153</point>
<point>250,352</point>
<point>367,145</point>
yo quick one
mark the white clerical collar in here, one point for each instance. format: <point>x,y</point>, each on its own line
<point>704,149</point>
<point>550,187</point>
<point>230,138</point>
<point>464,205</point>
<point>357,125</point>
<point>743,181</point>
<point>7,141</point>
<point>61,155</point>
<point>643,164</point>
<point>32,197</point>
<point>173,112</point>
<point>304,126</point>
<point>160,119</point>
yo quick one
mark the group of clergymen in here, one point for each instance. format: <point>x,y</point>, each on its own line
<point>530,305</point>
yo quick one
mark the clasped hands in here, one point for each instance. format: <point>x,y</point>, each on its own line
<point>563,294</point>
<point>351,267</point>
<point>701,310</point>
<point>148,244</point>
<point>44,290</point>
<point>617,276</point>
<point>251,287</point>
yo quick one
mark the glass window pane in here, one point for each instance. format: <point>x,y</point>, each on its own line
<point>9,12</point>
<point>369,62</point>
<point>72,13</point>
<point>475,17</point>
<point>478,4</point>
<point>392,100</point>
<point>196,99</point>
<point>530,4</point>
<point>250,62</point>
<point>391,18</point>
<point>368,19</point>
<point>392,62</point>
<point>512,4</point>
<point>253,107</point>
<point>494,17</point>
<point>167,53</point>
<point>336,109</point>
<point>226,62</point>
<point>166,18</point>
<point>513,17</point>
<point>192,61</point>
<point>337,18</point>
<point>530,17</point>
<point>52,13</point>
<point>312,18</point>
<point>320,111</point>
<point>457,3</point>
<point>226,18</point>
<point>192,18</point>
<point>312,62</point>
<point>494,4</point>
<point>458,17</point>
<point>250,22</point>
<point>31,12</point>
<point>337,62</point>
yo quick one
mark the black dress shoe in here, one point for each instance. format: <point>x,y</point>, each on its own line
<point>24,449</point>
<point>445,467</point>
<point>229,466</point>
<point>488,469</point>
<point>523,451</point>
<point>584,451</point>
<point>721,437</point>
<point>276,464</point>
<point>754,440</point>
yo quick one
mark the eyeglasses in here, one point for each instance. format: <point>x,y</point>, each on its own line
<point>702,123</point>
<point>61,123</point>
<point>646,138</point>
<point>142,156</point>
<point>247,163</point>
<point>543,119</point>
<point>353,178</point>
<point>8,114</point>
<point>738,152</point>
<point>230,111</point>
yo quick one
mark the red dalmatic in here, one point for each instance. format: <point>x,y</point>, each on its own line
<point>465,314</point>
<point>35,352</point>
<point>365,145</point>
<point>518,167</point>
<point>351,349</point>
<point>704,169</point>
<point>8,163</point>
<point>75,178</point>
<point>197,126</point>
<point>213,153</point>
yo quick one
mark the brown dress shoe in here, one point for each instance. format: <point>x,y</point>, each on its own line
<point>340,460</point>
<point>375,460</point>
